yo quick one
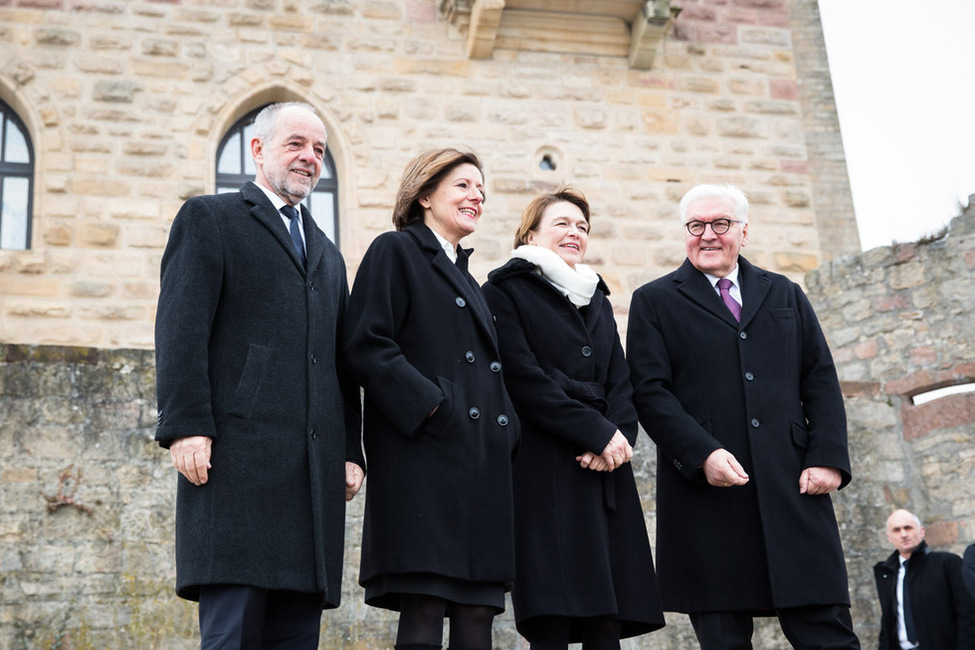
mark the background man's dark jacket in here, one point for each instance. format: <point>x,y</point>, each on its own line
<point>944,612</point>
<point>767,391</point>
<point>246,353</point>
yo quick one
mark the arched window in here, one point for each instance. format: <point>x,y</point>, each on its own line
<point>235,167</point>
<point>16,181</point>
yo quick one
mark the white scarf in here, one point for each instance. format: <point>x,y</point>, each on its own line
<point>577,284</point>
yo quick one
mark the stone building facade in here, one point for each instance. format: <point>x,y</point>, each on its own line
<point>126,102</point>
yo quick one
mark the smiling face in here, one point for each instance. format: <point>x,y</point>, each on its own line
<point>289,160</point>
<point>452,210</point>
<point>562,228</point>
<point>709,253</point>
<point>904,531</point>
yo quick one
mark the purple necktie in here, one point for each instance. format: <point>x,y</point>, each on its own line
<point>724,286</point>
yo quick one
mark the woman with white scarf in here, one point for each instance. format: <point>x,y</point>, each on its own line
<point>583,567</point>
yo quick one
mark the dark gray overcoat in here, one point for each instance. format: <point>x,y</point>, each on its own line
<point>767,391</point>
<point>246,353</point>
<point>438,494</point>
<point>581,543</point>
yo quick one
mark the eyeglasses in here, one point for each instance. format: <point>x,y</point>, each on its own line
<point>718,226</point>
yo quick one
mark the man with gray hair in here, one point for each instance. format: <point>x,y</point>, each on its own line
<point>733,380</point>
<point>260,420</point>
<point>923,601</point>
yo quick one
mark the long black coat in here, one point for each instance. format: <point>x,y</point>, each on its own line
<point>581,543</point>
<point>246,354</point>
<point>766,390</point>
<point>438,494</point>
<point>944,612</point>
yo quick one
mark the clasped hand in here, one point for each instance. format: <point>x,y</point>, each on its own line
<point>617,452</point>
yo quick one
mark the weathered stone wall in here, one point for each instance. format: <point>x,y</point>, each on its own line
<point>86,497</point>
<point>126,102</point>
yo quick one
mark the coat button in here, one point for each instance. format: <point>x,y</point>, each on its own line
<point>314,359</point>
<point>743,335</point>
<point>311,286</point>
<point>460,301</point>
<point>756,423</point>
<point>503,420</point>
<point>314,435</point>
<point>469,356</point>
<point>474,413</point>
<point>749,376</point>
<point>586,351</point>
<point>678,465</point>
<point>495,366</point>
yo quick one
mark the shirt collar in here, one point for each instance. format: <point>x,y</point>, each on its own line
<point>733,276</point>
<point>446,245</point>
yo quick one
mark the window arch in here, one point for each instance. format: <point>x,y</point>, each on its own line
<point>16,180</point>
<point>235,167</point>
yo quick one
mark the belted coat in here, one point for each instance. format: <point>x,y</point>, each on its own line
<point>247,344</point>
<point>766,390</point>
<point>438,493</point>
<point>582,548</point>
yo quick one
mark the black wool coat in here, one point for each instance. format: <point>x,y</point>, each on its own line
<point>246,353</point>
<point>767,391</point>
<point>582,547</point>
<point>944,612</point>
<point>438,495</point>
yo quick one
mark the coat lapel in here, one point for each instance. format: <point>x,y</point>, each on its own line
<point>455,274</point>
<point>755,285</point>
<point>263,211</point>
<point>692,283</point>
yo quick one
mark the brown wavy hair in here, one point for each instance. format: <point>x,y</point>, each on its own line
<point>532,214</point>
<point>421,178</point>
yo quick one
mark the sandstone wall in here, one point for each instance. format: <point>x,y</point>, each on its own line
<point>126,102</point>
<point>86,497</point>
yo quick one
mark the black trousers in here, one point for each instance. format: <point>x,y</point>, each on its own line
<point>240,617</point>
<point>818,627</point>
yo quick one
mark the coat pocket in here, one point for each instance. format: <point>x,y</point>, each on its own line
<point>249,385</point>
<point>437,423</point>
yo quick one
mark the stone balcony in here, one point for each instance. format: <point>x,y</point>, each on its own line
<point>617,28</point>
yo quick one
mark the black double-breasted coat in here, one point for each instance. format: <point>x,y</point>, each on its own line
<point>438,495</point>
<point>944,611</point>
<point>582,548</point>
<point>246,353</point>
<point>766,390</point>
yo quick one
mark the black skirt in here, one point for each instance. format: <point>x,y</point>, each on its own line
<point>386,591</point>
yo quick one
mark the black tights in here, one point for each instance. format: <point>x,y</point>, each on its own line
<point>598,633</point>
<point>421,623</point>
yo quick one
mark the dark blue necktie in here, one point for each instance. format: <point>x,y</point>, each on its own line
<point>292,214</point>
<point>908,614</point>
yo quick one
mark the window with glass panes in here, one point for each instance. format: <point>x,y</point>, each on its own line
<point>235,167</point>
<point>16,181</point>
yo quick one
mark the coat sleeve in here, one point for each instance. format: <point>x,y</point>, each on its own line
<point>190,283</point>
<point>962,602</point>
<point>350,389</point>
<point>537,396</point>
<point>822,399</point>
<point>379,304</point>
<point>619,390</point>
<point>678,436</point>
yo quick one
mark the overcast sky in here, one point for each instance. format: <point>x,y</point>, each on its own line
<point>904,77</point>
